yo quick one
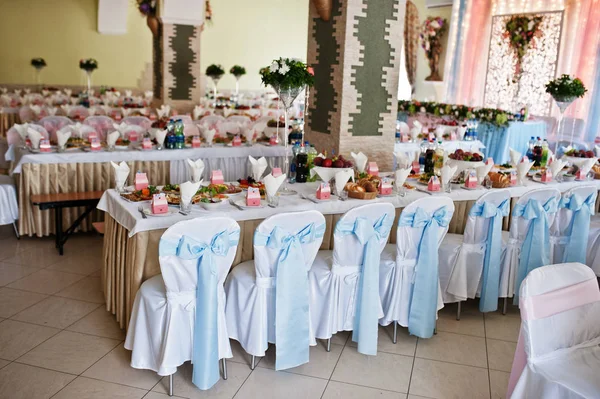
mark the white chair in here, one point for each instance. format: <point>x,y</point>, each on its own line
<point>344,283</point>
<point>142,121</point>
<point>227,127</point>
<point>528,245</point>
<point>558,352</point>
<point>78,112</point>
<point>469,264</point>
<point>101,123</point>
<point>211,121</point>
<point>52,124</point>
<point>9,207</point>
<point>409,283</point>
<point>593,246</point>
<point>268,298</point>
<point>570,230</point>
<point>14,138</point>
<point>179,315</point>
<point>244,120</point>
<point>26,114</point>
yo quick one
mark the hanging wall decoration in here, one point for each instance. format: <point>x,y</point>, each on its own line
<point>432,31</point>
<point>521,32</point>
<point>148,9</point>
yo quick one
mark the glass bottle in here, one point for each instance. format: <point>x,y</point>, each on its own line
<point>438,158</point>
<point>302,165</point>
<point>179,135</point>
<point>544,159</point>
<point>170,140</point>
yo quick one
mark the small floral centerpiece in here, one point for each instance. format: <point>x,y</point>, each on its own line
<point>457,112</point>
<point>237,71</point>
<point>287,73</point>
<point>565,88</point>
<point>38,63</point>
<point>215,71</point>
<point>521,31</point>
<point>431,34</point>
<point>88,65</point>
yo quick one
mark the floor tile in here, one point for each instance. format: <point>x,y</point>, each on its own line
<point>69,352</point>
<point>240,355</point>
<point>45,281</point>
<point>340,338</point>
<point>16,338</point>
<point>499,383</point>
<point>157,395</point>
<point>56,312</point>
<point>3,363</point>
<point>89,289</point>
<point>321,362</point>
<point>470,323</point>
<point>502,327</point>
<point>454,348</point>
<point>42,256</point>
<point>405,345</point>
<point>448,381</point>
<point>340,390</point>
<point>19,381</point>
<point>84,264</point>
<point>384,371</point>
<point>500,354</point>
<point>14,301</point>
<point>10,273</point>
<point>266,384</point>
<point>86,388</point>
<point>101,323</point>
<point>115,367</point>
<point>183,386</point>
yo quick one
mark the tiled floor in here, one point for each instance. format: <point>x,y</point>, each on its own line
<point>58,341</point>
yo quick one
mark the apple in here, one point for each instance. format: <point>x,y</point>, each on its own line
<point>338,164</point>
<point>327,163</point>
<point>318,161</point>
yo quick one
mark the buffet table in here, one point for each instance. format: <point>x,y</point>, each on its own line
<point>85,171</point>
<point>131,242</point>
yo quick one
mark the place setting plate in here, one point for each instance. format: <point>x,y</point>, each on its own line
<point>171,211</point>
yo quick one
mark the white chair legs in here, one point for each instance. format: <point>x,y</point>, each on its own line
<point>395,337</point>
<point>329,345</point>
<point>224,369</point>
<point>253,365</point>
<point>171,385</point>
<point>504,308</point>
<point>16,230</point>
<point>458,311</point>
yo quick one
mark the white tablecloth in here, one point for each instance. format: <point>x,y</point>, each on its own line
<point>233,161</point>
<point>127,215</point>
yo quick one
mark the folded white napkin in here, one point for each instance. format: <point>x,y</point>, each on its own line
<point>460,132</point>
<point>341,178</point>
<point>27,91</point>
<point>482,171</point>
<point>439,132</point>
<point>160,136</point>
<point>126,111</point>
<point>3,90</point>
<point>418,124</point>
<point>18,92</point>
<point>272,184</point>
<point>22,130</point>
<point>121,128</point>
<point>587,165</point>
<point>198,111</point>
<point>209,135</point>
<point>74,101</point>
<point>515,157</point>
<point>128,93</point>
<point>107,109</point>
<point>92,111</point>
<point>34,137</point>
<point>49,101</point>
<point>121,173</point>
<point>447,173</point>
<point>414,133</point>
<point>79,129</point>
<point>400,176</point>
<point>258,166</point>
<point>66,108</point>
<point>360,161</point>
<point>402,160</point>
<point>248,133</point>
<point>188,190</point>
<point>148,95</point>
<point>556,166</point>
<point>163,111</point>
<point>45,92</point>
<point>68,92</point>
<point>91,92</point>
<point>196,169</point>
<point>523,168</point>
<point>227,112</point>
<point>51,111</point>
<point>112,138</point>
<point>36,109</point>
<point>403,127</point>
<point>63,135</point>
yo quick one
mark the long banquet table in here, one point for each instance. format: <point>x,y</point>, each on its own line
<point>80,171</point>
<point>131,242</point>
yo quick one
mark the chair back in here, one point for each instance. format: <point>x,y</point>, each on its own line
<point>102,124</point>
<point>211,120</point>
<point>519,225</point>
<point>52,124</point>
<point>228,127</point>
<point>476,229</point>
<point>13,136</point>
<point>239,119</point>
<point>78,112</point>
<point>26,114</point>
<point>181,275</point>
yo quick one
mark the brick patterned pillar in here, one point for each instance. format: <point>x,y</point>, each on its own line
<point>356,58</point>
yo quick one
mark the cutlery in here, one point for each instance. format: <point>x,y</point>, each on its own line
<point>272,206</point>
<point>141,210</point>
<point>309,199</point>
<point>235,205</point>
<point>183,213</point>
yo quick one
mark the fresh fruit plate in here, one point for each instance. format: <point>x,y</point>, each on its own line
<point>170,212</point>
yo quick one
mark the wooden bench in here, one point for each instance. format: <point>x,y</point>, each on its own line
<point>59,201</point>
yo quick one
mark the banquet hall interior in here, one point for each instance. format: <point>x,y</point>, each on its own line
<point>299,199</point>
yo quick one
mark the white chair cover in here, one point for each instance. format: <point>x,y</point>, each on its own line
<point>562,229</point>
<point>558,353</point>
<point>335,274</point>
<point>461,260</point>
<point>519,227</point>
<point>14,138</point>
<point>239,119</point>
<point>251,287</point>
<point>227,127</point>
<point>161,328</point>
<point>9,208</point>
<point>593,247</point>
<point>398,261</point>
<point>54,123</point>
<point>101,123</point>
<point>211,121</point>
<point>78,112</point>
<point>139,121</point>
<point>26,114</point>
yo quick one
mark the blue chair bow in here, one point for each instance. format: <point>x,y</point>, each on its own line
<point>535,251</point>
<point>582,209</point>
<point>493,252</point>
<point>205,355</point>
<point>368,303</point>
<point>423,303</point>
<point>292,336</point>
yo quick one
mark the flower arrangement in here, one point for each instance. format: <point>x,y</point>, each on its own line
<point>431,32</point>
<point>88,65</point>
<point>237,71</point>
<point>521,31</point>
<point>494,116</point>
<point>565,88</point>
<point>288,73</point>
<point>38,63</point>
<point>215,71</point>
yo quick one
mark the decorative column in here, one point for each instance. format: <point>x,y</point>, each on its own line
<point>356,58</point>
<point>176,54</point>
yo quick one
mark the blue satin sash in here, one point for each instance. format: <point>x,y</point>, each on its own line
<point>205,355</point>
<point>493,252</point>
<point>582,209</point>
<point>366,317</point>
<point>292,336</point>
<point>424,297</point>
<point>535,251</point>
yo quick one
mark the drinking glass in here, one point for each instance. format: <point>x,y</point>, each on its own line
<point>343,195</point>
<point>185,207</point>
<point>120,186</point>
<point>273,200</point>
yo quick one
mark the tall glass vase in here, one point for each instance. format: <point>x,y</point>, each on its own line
<point>562,103</point>
<point>237,88</point>
<point>215,80</point>
<point>38,78</point>
<point>88,74</point>
<point>287,95</point>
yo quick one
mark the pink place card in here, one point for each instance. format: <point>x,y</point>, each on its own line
<point>253,197</point>
<point>434,184</point>
<point>196,143</point>
<point>385,187</point>
<point>236,142</point>
<point>95,145</point>
<point>159,204</point>
<point>513,178</point>
<point>276,172</point>
<point>471,180</point>
<point>404,137</point>
<point>273,140</point>
<point>372,169</point>
<point>92,136</point>
<point>146,143</point>
<point>45,146</point>
<point>416,167</point>
<point>324,191</point>
<point>133,136</point>
<point>216,177</point>
<point>580,175</point>
<point>547,176</point>
<point>140,181</point>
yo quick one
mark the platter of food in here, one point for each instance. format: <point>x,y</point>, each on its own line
<point>140,195</point>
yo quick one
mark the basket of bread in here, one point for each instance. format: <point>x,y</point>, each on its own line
<point>596,170</point>
<point>499,180</point>
<point>365,188</point>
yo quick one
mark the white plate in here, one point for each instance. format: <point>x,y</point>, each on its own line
<point>37,151</point>
<point>314,197</point>
<point>424,190</point>
<point>170,212</point>
<point>479,187</point>
<point>538,179</point>
<point>122,147</point>
<point>242,204</point>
